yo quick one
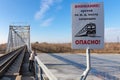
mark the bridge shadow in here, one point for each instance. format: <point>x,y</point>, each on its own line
<point>56,64</point>
<point>93,71</point>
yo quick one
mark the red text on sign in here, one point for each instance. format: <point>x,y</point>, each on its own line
<point>96,42</point>
<point>86,6</point>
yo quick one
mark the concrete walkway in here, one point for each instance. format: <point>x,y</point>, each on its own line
<point>71,66</point>
<point>25,73</point>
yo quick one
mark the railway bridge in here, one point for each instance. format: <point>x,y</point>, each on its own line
<point>14,65</point>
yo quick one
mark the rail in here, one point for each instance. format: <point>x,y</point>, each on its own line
<point>7,60</point>
<point>45,73</point>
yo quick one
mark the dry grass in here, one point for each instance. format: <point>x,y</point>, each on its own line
<point>66,48</point>
<point>2,48</point>
<point>52,48</point>
<point>109,48</point>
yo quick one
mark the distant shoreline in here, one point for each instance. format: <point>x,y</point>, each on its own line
<point>109,48</point>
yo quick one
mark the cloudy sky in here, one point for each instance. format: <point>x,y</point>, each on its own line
<point>50,20</point>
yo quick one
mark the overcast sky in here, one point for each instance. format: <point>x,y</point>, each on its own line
<point>50,20</point>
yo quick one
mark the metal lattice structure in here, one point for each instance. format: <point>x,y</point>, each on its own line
<point>18,36</point>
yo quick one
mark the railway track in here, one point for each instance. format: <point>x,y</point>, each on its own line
<point>11,63</point>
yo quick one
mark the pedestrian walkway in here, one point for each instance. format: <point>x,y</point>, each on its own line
<point>25,73</point>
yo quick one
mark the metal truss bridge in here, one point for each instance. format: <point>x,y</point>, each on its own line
<point>14,65</point>
<point>18,36</point>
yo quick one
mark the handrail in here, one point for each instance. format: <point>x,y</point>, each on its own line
<point>45,70</point>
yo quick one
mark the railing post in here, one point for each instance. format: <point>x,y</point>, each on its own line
<point>41,72</point>
<point>36,71</point>
<point>45,70</point>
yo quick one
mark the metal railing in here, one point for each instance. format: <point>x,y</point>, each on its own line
<point>42,72</point>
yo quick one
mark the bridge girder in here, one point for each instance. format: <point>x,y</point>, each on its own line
<point>18,36</point>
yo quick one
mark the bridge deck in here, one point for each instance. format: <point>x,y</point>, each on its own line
<point>71,66</point>
<point>18,68</point>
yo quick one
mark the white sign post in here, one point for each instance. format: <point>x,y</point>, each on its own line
<point>87,29</point>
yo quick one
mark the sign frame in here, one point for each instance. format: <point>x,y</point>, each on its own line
<point>88,25</point>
